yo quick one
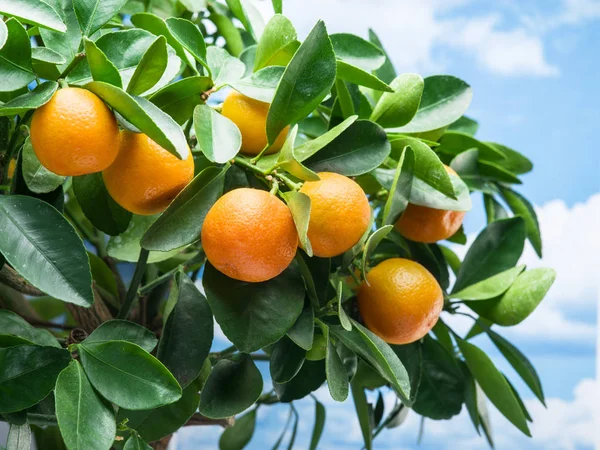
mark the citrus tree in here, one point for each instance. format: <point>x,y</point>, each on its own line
<point>168,164</point>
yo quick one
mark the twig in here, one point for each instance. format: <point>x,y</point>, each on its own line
<point>72,64</point>
<point>199,419</point>
<point>243,162</point>
<point>11,278</point>
<point>47,324</point>
<point>135,282</point>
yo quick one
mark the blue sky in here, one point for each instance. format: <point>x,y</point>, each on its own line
<point>533,68</point>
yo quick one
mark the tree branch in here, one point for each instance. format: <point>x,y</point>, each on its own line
<point>11,278</point>
<point>200,420</point>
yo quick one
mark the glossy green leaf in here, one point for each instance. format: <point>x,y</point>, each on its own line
<point>299,205</point>
<point>311,147</point>
<point>377,353</point>
<point>513,160</point>
<point>15,326</point>
<point>189,36</point>
<point>337,379</point>
<point>66,44</point>
<point>411,356</point>
<point>309,379</point>
<point>287,359</point>
<point>3,34</point>
<point>98,206</point>
<point>318,426</point>
<point>302,332</point>
<point>386,72</point>
<point>364,413</point>
<point>238,436</point>
<point>144,115</point>
<point>180,98</point>
<point>268,311</point>
<point>372,243</point>
<point>260,85</point>
<point>493,209</point>
<point>356,75</point>
<point>520,206</point>
<point>445,99</point>
<point>277,44</point>
<point>520,300</point>
<point>36,12</point>
<point>31,100</point>
<point>218,137</point>
<point>187,333</point>
<point>180,224</point>
<point>126,246</point>
<point>490,287</point>
<point>28,374</point>
<point>495,172</point>
<point>465,124</point>
<point>250,17</point>
<point>496,249</point>
<point>85,421</point>
<point>16,70</point>
<point>344,319</point>
<point>397,108</point>
<point>287,161</point>
<point>38,179</point>
<point>362,147</point>
<point>225,68</point>
<point>93,14</point>
<point>399,195</point>
<point>231,34</point>
<point>154,424</point>
<point>123,330</point>
<point>494,384</point>
<point>455,142</point>
<point>151,67</point>
<point>127,375</point>
<point>19,437</point>
<point>101,68</point>
<point>306,81</point>
<point>357,51</point>
<point>31,232</point>
<point>344,100</point>
<point>135,442</point>
<point>232,386</point>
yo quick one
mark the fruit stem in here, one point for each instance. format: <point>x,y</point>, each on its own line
<point>289,183</point>
<point>274,186</point>
<point>63,84</point>
<point>71,66</point>
<point>135,282</point>
<point>257,157</point>
<point>243,162</point>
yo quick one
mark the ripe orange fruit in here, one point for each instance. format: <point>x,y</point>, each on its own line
<point>145,177</point>
<point>429,225</point>
<point>402,302</point>
<point>249,235</point>
<point>75,133</point>
<point>250,116</point>
<point>339,214</point>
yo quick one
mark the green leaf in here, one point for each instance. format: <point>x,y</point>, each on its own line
<point>123,330</point>
<point>287,161</point>
<point>490,287</point>
<point>127,375</point>
<point>154,424</point>
<point>268,311</point>
<point>337,379</point>
<point>3,34</point>
<point>12,325</point>
<point>520,300</point>
<point>225,68</point>
<point>232,386</point>
<point>364,413</point>
<point>494,384</point>
<point>306,81</point>
<point>441,391</point>
<point>126,246</point>
<point>250,17</point>
<point>356,51</point>
<point>287,359</point>
<point>189,36</point>
<point>302,332</point>
<point>180,98</point>
<point>520,363</point>
<point>28,374</point>
<point>445,99</point>
<point>362,147</point>
<point>493,171</point>
<point>356,75</point>
<point>261,85</point>
<point>520,206</point>
<point>344,319</point>
<point>66,44</point>
<point>399,195</point>
<point>513,161</point>
<point>465,125</point>
<point>496,249</point>
<point>102,69</point>
<point>98,206</point>
<point>94,14</point>
<point>180,224</point>
<point>16,70</point>
<point>277,44</point>
<point>299,205</point>
<point>218,137</point>
<point>386,72</point>
<point>19,437</point>
<point>311,147</point>
<point>135,442</point>
<point>309,379</point>
<point>31,100</point>
<point>318,426</point>
<point>145,116</point>
<point>32,235</point>
<point>493,209</point>
<point>372,243</point>
<point>150,68</point>
<point>397,108</point>
<point>85,421</point>
<point>231,34</point>
<point>237,436</point>
<point>187,333</point>
<point>343,100</point>
<point>36,12</point>
<point>378,354</point>
<point>38,179</point>
<point>412,358</point>
<point>454,142</point>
